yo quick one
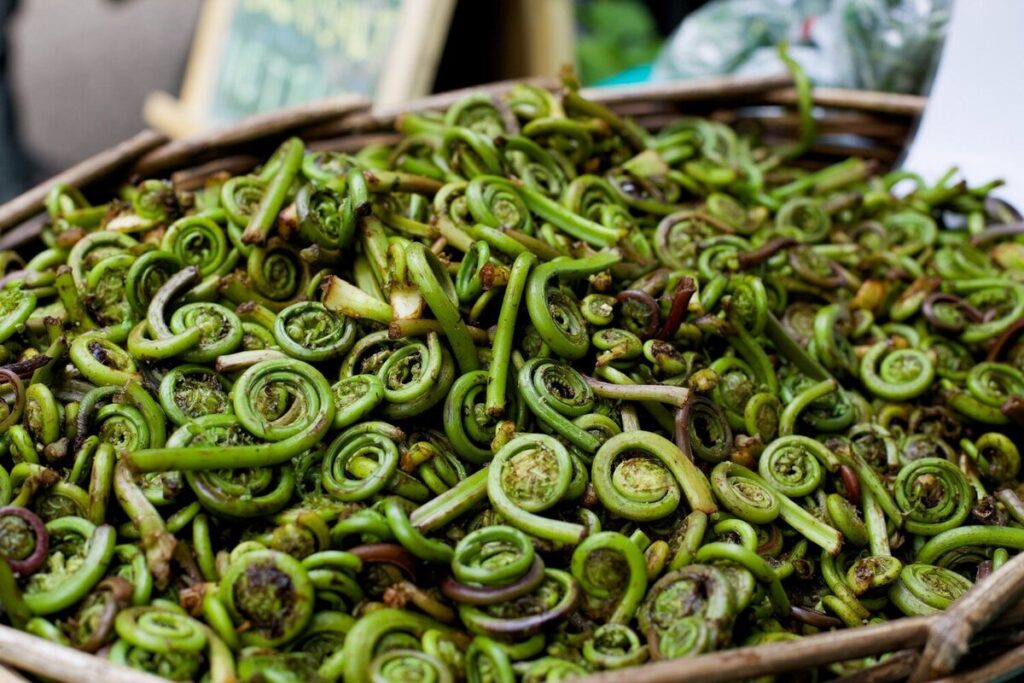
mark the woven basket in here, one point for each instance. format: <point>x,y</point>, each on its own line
<point>870,125</point>
<point>866,124</point>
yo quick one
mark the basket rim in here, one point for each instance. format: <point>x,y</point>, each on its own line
<point>153,148</point>
<point>150,152</point>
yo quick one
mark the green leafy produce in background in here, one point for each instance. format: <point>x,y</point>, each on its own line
<point>615,35</point>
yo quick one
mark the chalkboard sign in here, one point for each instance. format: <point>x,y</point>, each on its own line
<point>253,56</point>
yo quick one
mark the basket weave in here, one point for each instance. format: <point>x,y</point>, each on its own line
<point>875,126</point>
<point>850,123</point>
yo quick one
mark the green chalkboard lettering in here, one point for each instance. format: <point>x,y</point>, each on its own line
<point>255,56</point>
<point>284,52</point>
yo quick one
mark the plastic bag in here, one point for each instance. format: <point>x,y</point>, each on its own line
<point>871,44</point>
<point>894,46</point>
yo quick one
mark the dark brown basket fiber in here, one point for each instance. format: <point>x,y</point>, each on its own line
<point>873,126</point>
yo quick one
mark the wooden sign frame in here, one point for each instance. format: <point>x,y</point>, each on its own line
<point>408,70</point>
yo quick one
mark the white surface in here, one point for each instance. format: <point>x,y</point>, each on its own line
<point>975,113</point>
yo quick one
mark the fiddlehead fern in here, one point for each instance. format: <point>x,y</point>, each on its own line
<point>650,480</point>
<point>528,475</point>
<point>271,592</point>
<point>597,566</point>
<point>934,495</point>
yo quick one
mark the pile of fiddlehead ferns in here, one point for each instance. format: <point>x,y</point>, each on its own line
<point>529,394</point>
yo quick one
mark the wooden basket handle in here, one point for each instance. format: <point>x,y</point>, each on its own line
<point>64,664</point>
<point>950,634</point>
<point>8,676</point>
<point>1005,667</point>
<point>994,600</point>
<point>26,205</point>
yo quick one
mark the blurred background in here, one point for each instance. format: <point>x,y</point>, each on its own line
<point>76,74</point>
